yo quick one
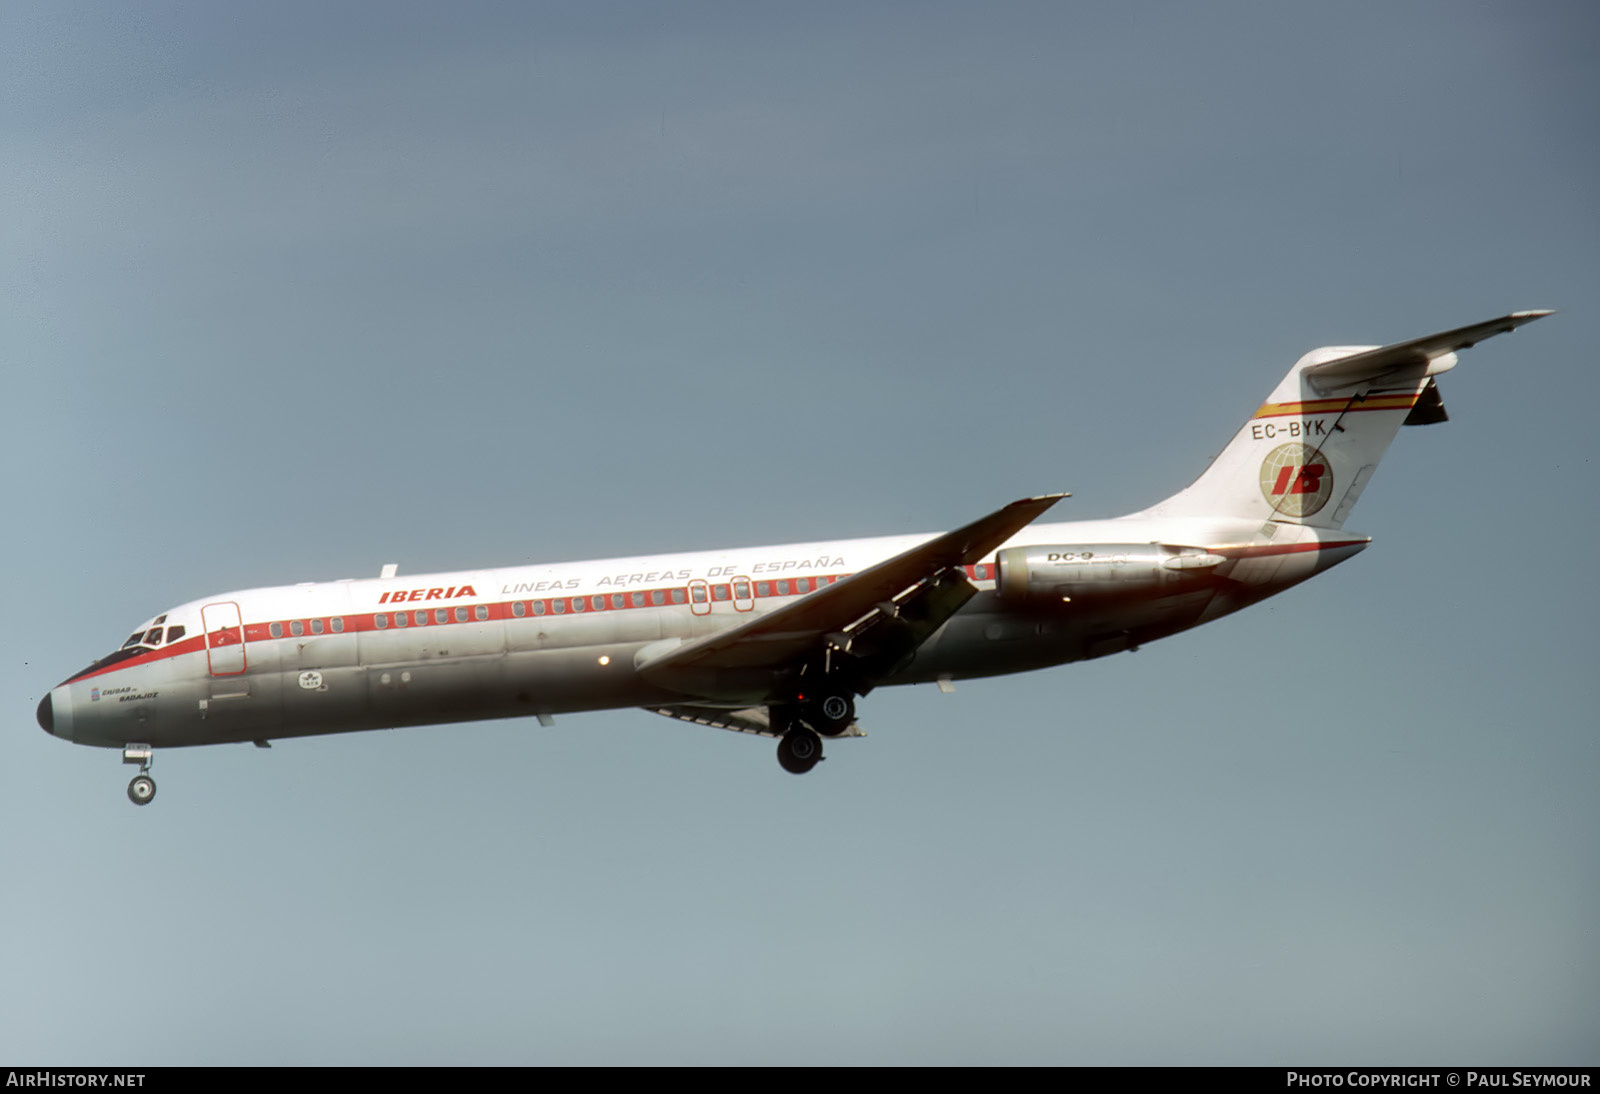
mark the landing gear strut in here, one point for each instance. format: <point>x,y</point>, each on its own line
<point>143,788</point>
<point>799,750</point>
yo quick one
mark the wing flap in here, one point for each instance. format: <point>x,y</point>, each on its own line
<point>753,720</point>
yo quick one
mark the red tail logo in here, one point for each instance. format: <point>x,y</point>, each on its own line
<point>1305,479</point>
<point>1296,480</point>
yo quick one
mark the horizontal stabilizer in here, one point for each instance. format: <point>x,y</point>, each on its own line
<point>1414,356</point>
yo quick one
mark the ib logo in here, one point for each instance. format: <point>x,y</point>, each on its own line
<point>1296,480</point>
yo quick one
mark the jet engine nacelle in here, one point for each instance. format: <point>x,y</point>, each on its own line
<point>1086,571</point>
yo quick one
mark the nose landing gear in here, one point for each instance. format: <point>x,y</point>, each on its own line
<point>143,788</point>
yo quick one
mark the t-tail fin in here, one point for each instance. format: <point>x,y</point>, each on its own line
<point>1305,456</point>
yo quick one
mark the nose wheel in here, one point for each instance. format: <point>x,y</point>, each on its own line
<point>142,790</point>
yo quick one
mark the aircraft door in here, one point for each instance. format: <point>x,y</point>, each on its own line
<point>225,654</point>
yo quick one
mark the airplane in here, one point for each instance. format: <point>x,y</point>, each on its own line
<point>777,641</point>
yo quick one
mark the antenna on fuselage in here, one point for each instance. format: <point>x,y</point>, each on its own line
<point>389,569</point>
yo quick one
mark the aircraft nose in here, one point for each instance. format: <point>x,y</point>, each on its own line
<point>56,718</point>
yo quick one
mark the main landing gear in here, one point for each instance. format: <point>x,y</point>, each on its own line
<point>142,790</point>
<point>829,714</point>
<point>799,750</point>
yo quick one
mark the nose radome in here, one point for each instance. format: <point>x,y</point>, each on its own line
<point>47,715</point>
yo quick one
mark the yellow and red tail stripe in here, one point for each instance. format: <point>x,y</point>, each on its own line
<point>1403,400</point>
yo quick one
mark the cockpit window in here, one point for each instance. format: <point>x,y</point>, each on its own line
<point>136,645</point>
<point>174,633</point>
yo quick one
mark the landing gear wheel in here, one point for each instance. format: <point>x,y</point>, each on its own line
<point>799,751</point>
<point>141,790</point>
<point>830,714</point>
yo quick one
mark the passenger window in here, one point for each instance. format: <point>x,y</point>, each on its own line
<point>741,589</point>
<point>380,621</point>
<point>174,633</point>
<point>338,624</point>
<point>560,606</point>
<point>538,607</point>
<point>316,626</point>
<point>616,600</point>
<point>597,602</point>
<point>481,611</point>
<point>678,597</point>
<point>401,619</point>
<point>719,592</point>
<point>422,617</point>
<point>657,596</point>
<point>276,630</point>
<point>461,614</point>
<point>441,615</point>
<point>297,628</point>
<point>579,604</point>
<point>519,608</point>
<point>699,594</point>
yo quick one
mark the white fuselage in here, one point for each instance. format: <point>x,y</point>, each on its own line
<point>547,639</point>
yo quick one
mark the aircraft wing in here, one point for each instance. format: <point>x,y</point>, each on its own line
<point>1375,364</point>
<point>784,637</point>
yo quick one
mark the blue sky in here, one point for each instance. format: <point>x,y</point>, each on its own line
<point>293,291</point>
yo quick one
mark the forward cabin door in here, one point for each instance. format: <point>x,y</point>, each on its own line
<point>237,706</point>
<point>225,654</point>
